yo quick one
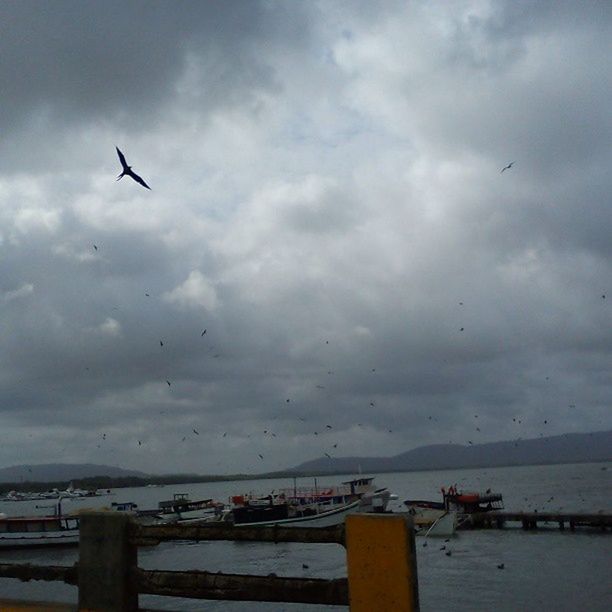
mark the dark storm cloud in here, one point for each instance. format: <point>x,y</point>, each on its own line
<point>71,62</point>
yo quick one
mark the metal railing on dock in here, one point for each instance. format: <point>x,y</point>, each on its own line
<point>381,565</point>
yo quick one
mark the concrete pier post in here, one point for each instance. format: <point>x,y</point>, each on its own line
<point>106,561</point>
<point>381,563</point>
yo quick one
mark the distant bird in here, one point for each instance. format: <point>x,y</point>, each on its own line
<point>161,343</point>
<point>442,547</point>
<point>147,295</point>
<point>203,333</point>
<point>127,170</point>
<point>507,167</point>
<point>372,404</point>
<point>335,445</point>
<point>329,427</point>
<point>288,400</point>
<point>196,432</point>
<point>448,553</point>
<point>168,383</point>
<point>320,387</point>
<point>225,434</point>
<point>304,566</point>
<point>184,438</point>
<point>424,544</point>
<point>462,329</point>
<point>95,247</point>
<point>328,456</point>
<point>501,566</point>
<point>139,443</point>
<point>469,442</point>
<point>260,456</point>
<point>603,297</point>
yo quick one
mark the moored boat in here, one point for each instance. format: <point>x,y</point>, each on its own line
<point>308,506</point>
<point>462,503</point>
<point>38,531</point>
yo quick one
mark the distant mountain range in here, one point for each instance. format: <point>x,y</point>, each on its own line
<point>60,472</point>
<point>567,448</point>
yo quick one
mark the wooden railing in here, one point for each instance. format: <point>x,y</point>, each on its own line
<point>381,565</point>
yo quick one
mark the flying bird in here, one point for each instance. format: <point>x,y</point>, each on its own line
<point>127,170</point>
<point>196,432</point>
<point>168,383</point>
<point>95,247</point>
<point>260,456</point>
<point>507,167</point>
<point>203,333</point>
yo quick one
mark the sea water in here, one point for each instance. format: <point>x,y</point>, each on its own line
<point>543,569</point>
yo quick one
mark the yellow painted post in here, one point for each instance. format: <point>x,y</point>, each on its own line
<point>381,563</point>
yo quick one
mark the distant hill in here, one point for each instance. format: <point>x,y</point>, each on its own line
<point>567,448</point>
<point>59,472</point>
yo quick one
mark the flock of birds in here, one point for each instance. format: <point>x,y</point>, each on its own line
<point>126,170</point>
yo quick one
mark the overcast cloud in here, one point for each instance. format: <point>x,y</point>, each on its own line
<point>326,203</point>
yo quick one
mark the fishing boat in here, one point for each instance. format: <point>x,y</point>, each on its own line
<point>180,509</point>
<point>308,506</point>
<point>463,503</point>
<point>39,531</point>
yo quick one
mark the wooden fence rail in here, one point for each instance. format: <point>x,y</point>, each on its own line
<point>381,564</point>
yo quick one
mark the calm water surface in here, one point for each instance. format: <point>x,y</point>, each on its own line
<point>544,570</point>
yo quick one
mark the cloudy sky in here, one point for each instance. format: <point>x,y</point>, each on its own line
<point>327,203</point>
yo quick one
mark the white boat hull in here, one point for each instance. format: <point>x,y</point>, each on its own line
<point>328,518</point>
<point>37,540</point>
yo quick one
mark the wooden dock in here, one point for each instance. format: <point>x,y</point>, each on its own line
<point>535,520</point>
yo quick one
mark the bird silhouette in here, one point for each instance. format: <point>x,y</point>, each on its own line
<point>127,170</point>
<point>507,167</point>
<point>203,333</point>
<point>196,432</point>
<point>168,383</point>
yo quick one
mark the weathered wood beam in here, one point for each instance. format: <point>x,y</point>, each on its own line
<point>237,587</point>
<point>26,572</point>
<point>152,534</point>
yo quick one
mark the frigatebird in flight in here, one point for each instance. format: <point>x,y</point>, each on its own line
<point>127,170</point>
<point>507,167</point>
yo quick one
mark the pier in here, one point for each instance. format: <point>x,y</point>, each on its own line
<point>536,520</point>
